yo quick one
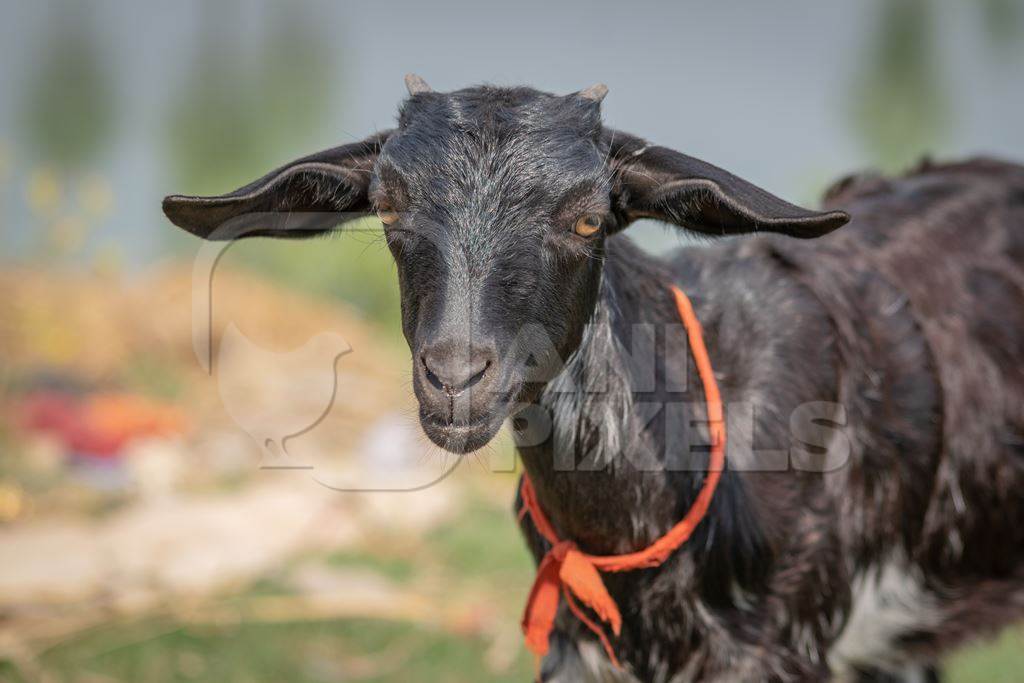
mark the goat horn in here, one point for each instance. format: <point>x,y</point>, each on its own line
<point>594,93</point>
<point>416,85</point>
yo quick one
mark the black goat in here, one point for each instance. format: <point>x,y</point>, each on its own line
<point>871,513</point>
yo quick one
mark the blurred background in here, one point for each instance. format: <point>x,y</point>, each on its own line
<point>156,523</point>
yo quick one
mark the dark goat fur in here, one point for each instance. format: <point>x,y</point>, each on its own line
<point>912,317</point>
<point>905,328</point>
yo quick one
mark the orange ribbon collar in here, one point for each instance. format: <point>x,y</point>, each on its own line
<point>568,571</point>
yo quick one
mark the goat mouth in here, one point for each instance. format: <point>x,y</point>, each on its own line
<point>460,436</point>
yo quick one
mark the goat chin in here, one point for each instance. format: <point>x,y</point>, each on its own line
<point>461,438</point>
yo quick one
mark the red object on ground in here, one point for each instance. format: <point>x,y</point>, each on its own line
<point>100,425</point>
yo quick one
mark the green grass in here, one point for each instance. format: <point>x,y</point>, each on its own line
<point>478,553</point>
<point>484,544</point>
<point>370,651</point>
<point>999,661</point>
<point>161,651</point>
<point>397,569</point>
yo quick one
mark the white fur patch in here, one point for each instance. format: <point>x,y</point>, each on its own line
<point>889,600</point>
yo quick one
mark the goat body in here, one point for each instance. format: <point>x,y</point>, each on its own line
<point>873,380</point>
<point>911,319</point>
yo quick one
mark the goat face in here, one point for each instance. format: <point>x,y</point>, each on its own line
<point>496,205</point>
<point>487,189</point>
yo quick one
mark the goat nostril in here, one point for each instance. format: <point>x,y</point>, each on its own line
<point>453,377</point>
<point>475,378</point>
<point>434,380</point>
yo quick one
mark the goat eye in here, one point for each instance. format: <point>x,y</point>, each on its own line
<point>588,226</point>
<point>386,214</point>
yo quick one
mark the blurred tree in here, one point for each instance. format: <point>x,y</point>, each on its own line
<point>237,117</point>
<point>296,78</point>
<point>235,114</point>
<point>901,103</point>
<point>1004,22</point>
<point>212,132</point>
<point>69,114</point>
<point>68,119</point>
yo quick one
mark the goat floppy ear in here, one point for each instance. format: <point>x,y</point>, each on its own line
<point>299,199</point>
<point>660,183</point>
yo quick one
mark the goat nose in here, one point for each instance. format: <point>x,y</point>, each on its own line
<point>453,368</point>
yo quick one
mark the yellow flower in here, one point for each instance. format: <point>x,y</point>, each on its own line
<point>44,191</point>
<point>12,503</point>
